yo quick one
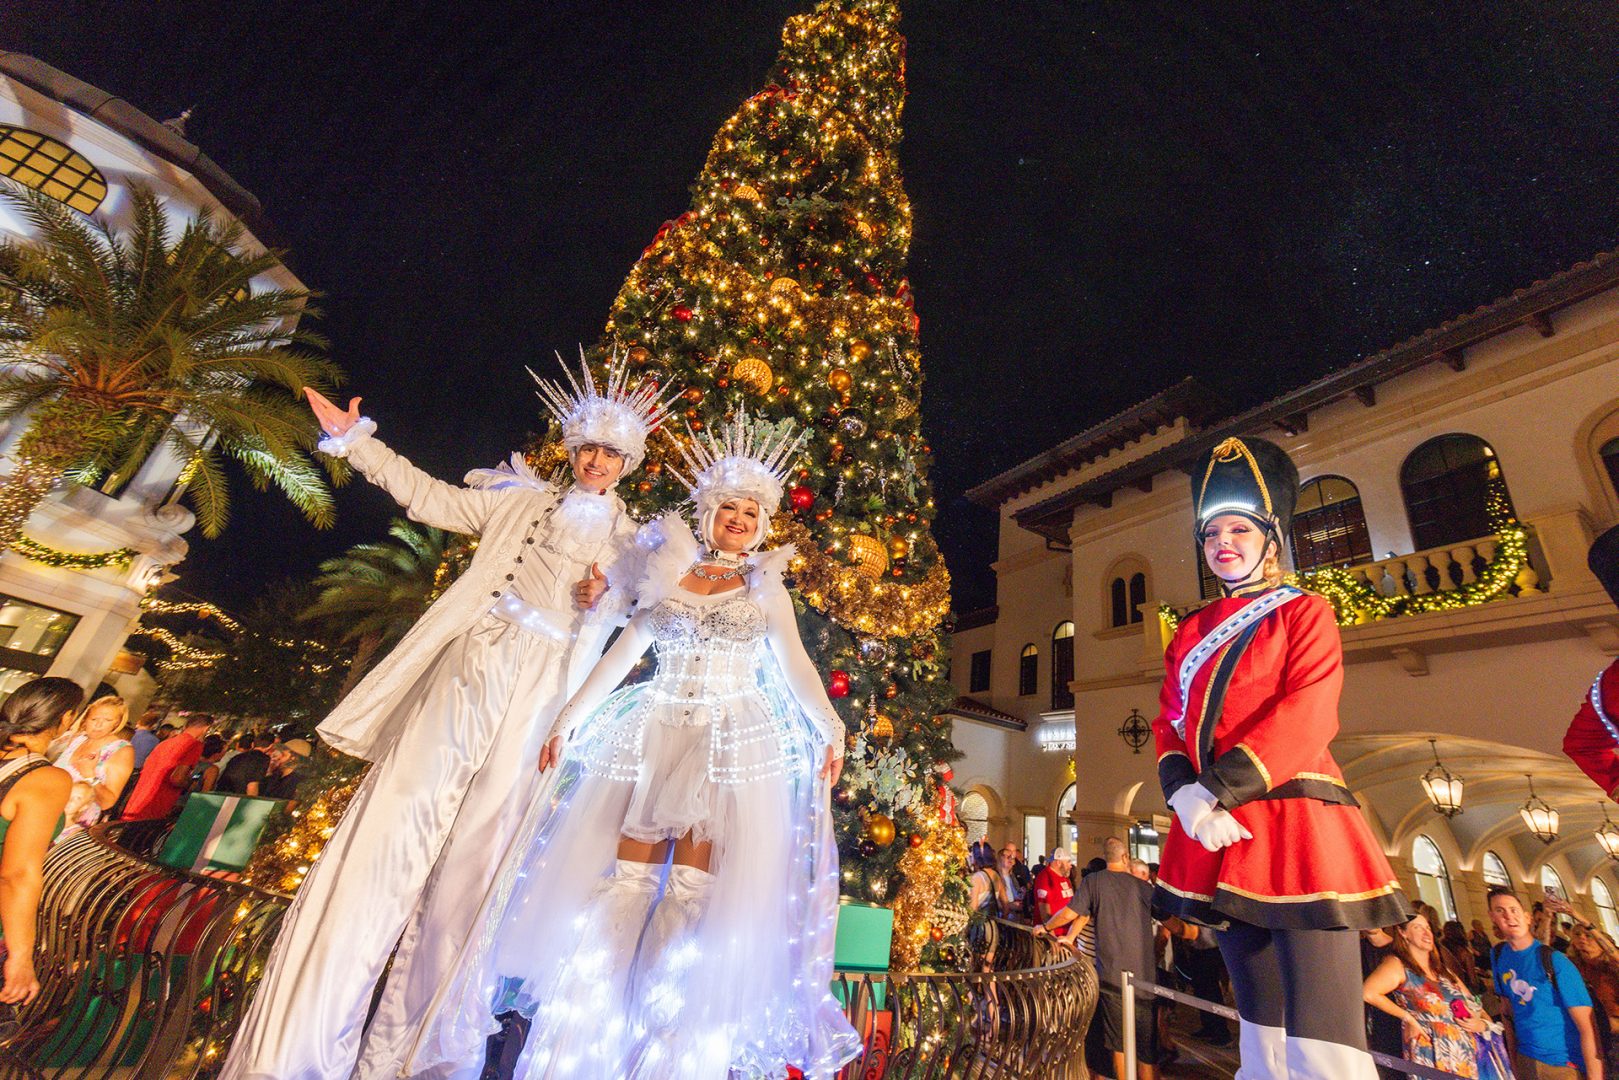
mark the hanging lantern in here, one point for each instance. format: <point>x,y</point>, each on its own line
<point>1608,834</point>
<point>1444,787</point>
<point>1538,815</point>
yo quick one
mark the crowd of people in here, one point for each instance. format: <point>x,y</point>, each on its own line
<point>65,766</point>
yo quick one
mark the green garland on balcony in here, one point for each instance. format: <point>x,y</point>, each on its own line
<point>1355,600</point>
<point>34,551</point>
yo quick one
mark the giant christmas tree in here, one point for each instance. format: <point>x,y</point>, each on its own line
<point>782,292</point>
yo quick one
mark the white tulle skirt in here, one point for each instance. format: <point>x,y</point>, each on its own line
<point>621,984</point>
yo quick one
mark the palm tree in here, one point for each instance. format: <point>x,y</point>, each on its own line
<point>114,342</point>
<point>372,593</point>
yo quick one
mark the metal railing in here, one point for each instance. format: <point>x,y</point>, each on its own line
<point>1021,1016</point>
<point>144,970</point>
<point>145,973</point>
<point>1131,987</point>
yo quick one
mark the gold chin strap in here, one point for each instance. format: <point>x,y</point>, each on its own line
<point>1228,451</point>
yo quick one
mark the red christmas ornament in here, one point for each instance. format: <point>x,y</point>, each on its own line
<point>838,684</point>
<point>681,312</point>
<point>801,498</point>
<point>916,839</point>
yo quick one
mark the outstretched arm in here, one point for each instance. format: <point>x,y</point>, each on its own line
<point>602,680</point>
<point>425,499</point>
<point>781,631</point>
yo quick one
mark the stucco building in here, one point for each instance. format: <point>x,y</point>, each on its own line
<point>85,147</point>
<point>1408,459</point>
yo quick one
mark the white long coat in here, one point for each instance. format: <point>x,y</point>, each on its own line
<point>362,722</point>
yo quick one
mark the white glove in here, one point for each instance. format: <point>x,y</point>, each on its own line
<point>1192,804</point>
<point>1219,830</point>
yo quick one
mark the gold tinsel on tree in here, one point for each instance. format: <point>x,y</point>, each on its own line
<point>924,911</point>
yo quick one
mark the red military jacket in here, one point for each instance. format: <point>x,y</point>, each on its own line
<point>1254,725</point>
<point>1589,742</point>
<point>1052,891</point>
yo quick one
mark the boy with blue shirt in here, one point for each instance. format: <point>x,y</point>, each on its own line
<point>1553,1034</point>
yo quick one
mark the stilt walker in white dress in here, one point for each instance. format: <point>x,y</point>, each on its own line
<point>668,909</point>
<point>453,720</point>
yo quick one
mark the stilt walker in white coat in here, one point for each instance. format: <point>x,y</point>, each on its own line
<point>453,720</point>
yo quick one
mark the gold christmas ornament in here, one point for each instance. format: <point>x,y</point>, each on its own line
<point>876,609</point>
<point>898,547</point>
<point>905,408</point>
<point>860,350</point>
<point>863,227</point>
<point>839,380</point>
<point>868,555</point>
<point>784,285</point>
<point>638,355</point>
<point>747,191</point>
<point>882,727</point>
<point>880,829</point>
<point>753,373</point>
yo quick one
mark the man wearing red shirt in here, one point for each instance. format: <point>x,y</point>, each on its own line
<point>1592,741</point>
<point>1052,889</point>
<point>162,782</point>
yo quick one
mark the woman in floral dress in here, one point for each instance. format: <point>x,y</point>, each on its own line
<point>1441,1019</point>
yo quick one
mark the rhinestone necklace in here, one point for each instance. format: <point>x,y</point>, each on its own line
<point>698,570</point>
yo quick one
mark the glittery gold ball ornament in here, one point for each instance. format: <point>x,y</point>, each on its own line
<point>869,556</point>
<point>747,191</point>
<point>882,727</point>
<point>860,350</point>
<point>753,373</point>
<point>839,380</point>
<point>904,408</point>
<point>880,829</point>
<point>898,547</point>
<point>638,355</point>
<point>784,285</point>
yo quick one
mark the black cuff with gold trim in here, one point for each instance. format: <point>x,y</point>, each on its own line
<point>1236,777</point>
<point>1174,772</point>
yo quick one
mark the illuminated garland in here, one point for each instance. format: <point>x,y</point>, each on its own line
<point>281,866</point>
<point>1169,617</point>
<point>1355,600</point>
<point>182,653</point>
<point>34,551</point>
<point>201,607</point>
<point>878,609</point>
<point>943,851</point>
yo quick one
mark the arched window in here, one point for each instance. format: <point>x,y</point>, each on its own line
<point>1447,483</point>
<point>42,163</point>
<point>1609,452</point>
<point>1138,595</point>
<point>1119,594</point>
<point>1551,879</point>
<point>1495,871</point>
<point>1433,877</point>
<point>1329,526</point>
<point>1062,666</point>
<point>975,816</point>
<point>1602,897</point>
<point>1028,670</point>
<point>1065,819</point>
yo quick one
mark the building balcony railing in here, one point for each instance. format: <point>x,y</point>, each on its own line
<point>145,973</point>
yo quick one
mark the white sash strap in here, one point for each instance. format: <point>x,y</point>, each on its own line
<point>1602,713</point>
<point>1229,628</point>
<point>542,622</point>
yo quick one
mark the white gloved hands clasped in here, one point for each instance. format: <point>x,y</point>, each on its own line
<point>1203,820</point>
<point>1192,804</point>
<point>1220,830</point>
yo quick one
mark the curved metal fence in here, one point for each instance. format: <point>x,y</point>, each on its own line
<point>145,972</point>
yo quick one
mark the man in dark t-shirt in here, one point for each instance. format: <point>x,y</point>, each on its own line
<point>1120,906</point>
<point>244,773</point>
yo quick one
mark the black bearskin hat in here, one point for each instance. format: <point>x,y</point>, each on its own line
<point>1251,477</point>
<point>1604,561</point>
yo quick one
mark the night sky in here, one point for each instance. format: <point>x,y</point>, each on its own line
<point>1107,197</point>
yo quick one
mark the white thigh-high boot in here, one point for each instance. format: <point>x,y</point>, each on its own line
<point>584,1017</point>
<point>1317,1059</point>
<point>668,952</point>
<point>1265,1052</point>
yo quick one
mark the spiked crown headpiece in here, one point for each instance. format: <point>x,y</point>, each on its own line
<point>620,414</point>
<point>745,457</point>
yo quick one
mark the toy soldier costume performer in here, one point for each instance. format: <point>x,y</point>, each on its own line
<point>1593,737</point>
<point>1268,845</point>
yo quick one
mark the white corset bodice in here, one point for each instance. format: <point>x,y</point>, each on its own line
<point>707,649</point>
